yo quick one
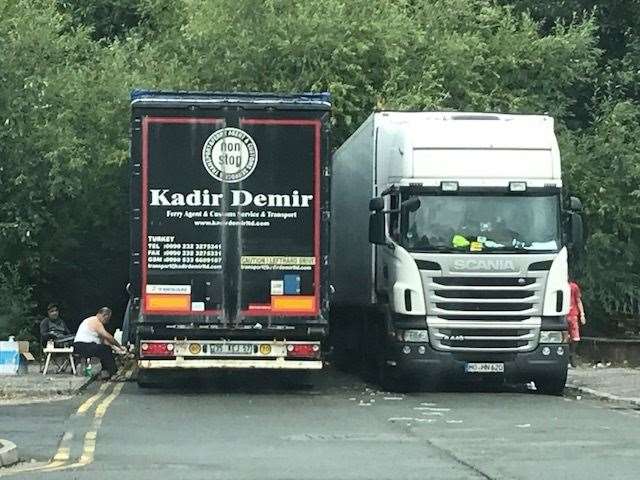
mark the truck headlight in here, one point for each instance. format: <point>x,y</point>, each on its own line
<point>553,337</point>
<point>413,336</point>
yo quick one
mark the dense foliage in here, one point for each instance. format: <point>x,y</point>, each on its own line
<point>68,67</point>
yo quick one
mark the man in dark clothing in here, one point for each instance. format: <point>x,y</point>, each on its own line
<point>52,327</point>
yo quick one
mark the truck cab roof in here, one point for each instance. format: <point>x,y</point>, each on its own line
<point>474,149</point>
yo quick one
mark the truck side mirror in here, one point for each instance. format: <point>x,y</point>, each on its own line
<point>377,232</point>
<point>376,204</point>
<point>411,205</point>
<point>576,228</point>
<point>575,205</point>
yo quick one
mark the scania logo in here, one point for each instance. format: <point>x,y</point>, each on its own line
<point>483,265</point>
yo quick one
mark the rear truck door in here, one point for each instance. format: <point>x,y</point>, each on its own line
<point>231,214</point>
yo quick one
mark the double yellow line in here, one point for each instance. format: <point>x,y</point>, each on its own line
<point>61,458</point>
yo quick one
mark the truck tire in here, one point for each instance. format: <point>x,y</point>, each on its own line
<point>551,385</point>
<point>391,382</point>
<point>148,379</point>
<point>298,380</point>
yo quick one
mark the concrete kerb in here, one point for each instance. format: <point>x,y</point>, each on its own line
<point>600,395</point>
<point>8,453</point>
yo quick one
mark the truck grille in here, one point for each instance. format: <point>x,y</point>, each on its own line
<point>471,297</point>
<point>484,313</point>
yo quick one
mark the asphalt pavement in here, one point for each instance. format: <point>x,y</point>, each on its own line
<point>255,426</point>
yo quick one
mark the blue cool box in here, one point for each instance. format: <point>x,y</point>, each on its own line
<point>9,358</point>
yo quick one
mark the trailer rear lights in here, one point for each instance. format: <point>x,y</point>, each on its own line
<point>307,350</point>
<point>293,303</point>
<point>265,349</point>
<point>406,349</point>
<point>168,303</point>
<point>156,349</point>
<point>518,186</point>
<point>195,348</point>
<point>546,351</point>
<point>449,186</point>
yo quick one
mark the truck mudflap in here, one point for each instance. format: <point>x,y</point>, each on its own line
<point>225,354</point>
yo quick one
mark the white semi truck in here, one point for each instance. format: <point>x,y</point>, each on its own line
<point>450,241</point>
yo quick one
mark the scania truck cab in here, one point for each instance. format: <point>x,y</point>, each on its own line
<point>450,248</point>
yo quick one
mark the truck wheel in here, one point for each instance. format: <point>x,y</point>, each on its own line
<point>301,380</point>
<point>551,386</point>
<point>147,379</point>
<point>391,382</point>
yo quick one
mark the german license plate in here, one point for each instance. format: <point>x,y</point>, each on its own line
<point>484,368</point>
<point>231,349</point>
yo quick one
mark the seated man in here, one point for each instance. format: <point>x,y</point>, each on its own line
<point>93,340</point>
<point>52,327</point>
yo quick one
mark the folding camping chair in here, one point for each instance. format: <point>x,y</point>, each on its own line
<point>62,357</point>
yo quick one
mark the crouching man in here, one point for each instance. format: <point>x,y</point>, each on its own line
<point>93,340</point>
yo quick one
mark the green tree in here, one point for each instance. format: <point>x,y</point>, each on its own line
<point>68,68</point>
<point>602,168</point>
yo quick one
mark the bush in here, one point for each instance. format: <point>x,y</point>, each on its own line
<point>16,306</point>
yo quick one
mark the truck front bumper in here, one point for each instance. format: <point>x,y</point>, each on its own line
<point>519,367</point>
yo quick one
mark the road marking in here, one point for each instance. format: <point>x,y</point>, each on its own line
<point>58,462</point>
<point>82,409</point>
<point>90,438</point>
<point>62,454</point>
<point>101,409</point>
<point>39,468</point>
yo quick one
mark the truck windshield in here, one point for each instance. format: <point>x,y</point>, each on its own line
<point>482,223</point>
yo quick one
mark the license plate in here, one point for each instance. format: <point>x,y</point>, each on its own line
<point>484,368</point>
<point>231,349</point>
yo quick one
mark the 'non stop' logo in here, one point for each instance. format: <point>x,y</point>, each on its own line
<point>230,155</point>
